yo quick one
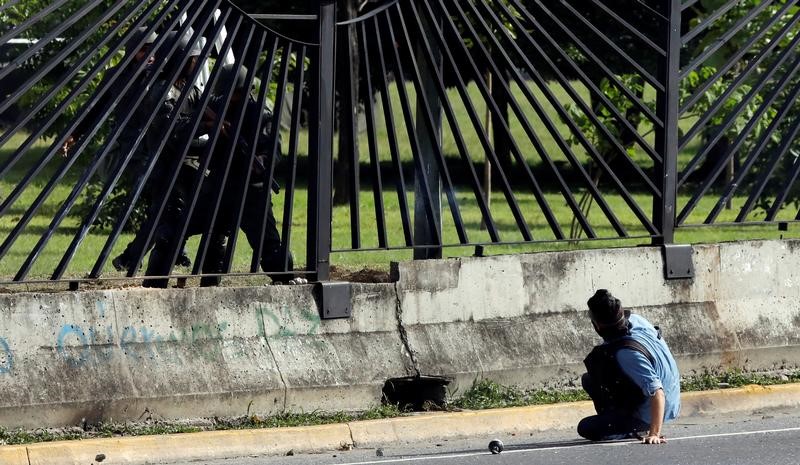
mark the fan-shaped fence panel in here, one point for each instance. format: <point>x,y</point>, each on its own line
<point>503,122</point>
<point>180,138</point>
<point>738,144</point>
<point>169,128</point>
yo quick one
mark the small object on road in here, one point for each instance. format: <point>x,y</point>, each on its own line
<point>99,457</point>
<point>379,452</point>
<point>495,446</point>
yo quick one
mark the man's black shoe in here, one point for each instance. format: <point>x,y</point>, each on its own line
<point>183,259</point>
<point>119,263</point>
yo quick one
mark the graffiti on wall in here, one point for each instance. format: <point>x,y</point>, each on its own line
<point>77,344</point>
<point>6,357</point>
<point>286,322</point>
<point>80,344</point>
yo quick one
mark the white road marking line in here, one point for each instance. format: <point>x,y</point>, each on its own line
<point>570,446</point>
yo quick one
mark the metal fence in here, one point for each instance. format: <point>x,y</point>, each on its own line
<point>456,123</point>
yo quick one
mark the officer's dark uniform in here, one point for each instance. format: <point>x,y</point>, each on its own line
<point>256,209</point>
<point>161,174</point>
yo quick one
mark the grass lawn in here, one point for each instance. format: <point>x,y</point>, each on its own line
<point>342,234</point>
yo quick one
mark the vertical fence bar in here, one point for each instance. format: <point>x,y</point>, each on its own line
<point>666,137</point>
<point>424,233</point>
<point>321,145</point>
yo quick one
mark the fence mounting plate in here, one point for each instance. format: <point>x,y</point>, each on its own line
<point>335,300</point>
<point>677,261</point>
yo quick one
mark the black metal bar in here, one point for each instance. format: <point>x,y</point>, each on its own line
<point>688,4</point>
<point>405,105</point>
<point>724,38</point>
<point>588,82</point>
<point>184,147</point>
<point>294,138</point>
<point>735,59</point>
<point>591,150</point>
<point>388,114</point>
<point>250,60</point>
<point>707,22</point>
<point>321,146</point>
<point>742,77</point>
<point>12,197</point>
<point>34,18</point>
<point>755,151</point>
<point>733,115</point>
<point>89,219</point>
<point>348,122</point>
<point>780,199</point>
<point>434,65</point>
<point>280,17</point>
<point>787,139</point>
<point>667,137</point>
<point>740,139</point>
<point>639,68</point>
<point>522,223</point>
<point>266,80</point>
<point>429,111</point>
<point>369,111</point>
<point>369,15</point>
<point>31,51</point>
<point>490,244</point>
<point>280,100</point>
<point>629,27</point>
<point>138,188</point>
<point>58,59</point>
<point>477,125</point>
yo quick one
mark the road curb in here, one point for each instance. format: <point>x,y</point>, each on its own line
<point>370,433</point>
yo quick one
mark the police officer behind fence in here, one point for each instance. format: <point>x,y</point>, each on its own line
<point>257,210</point>
<point>631,377</point>
<point>160,176</point>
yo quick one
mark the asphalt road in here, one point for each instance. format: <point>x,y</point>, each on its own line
<point>770,437</point>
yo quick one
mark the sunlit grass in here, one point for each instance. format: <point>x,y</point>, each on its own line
<point>365,237</point>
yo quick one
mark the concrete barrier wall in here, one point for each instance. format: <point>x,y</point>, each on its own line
<point>134,354</point>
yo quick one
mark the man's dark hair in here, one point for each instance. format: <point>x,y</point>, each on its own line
<point>605,309</point>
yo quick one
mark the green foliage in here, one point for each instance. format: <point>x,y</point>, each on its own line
<point>623,106</point>
<point>486,394</point>
<point>735,378</point>
<point>734,102</point>
<point>116,203</point>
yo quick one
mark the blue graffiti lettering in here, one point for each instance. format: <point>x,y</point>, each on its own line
<point>83,353</point>
<point>128,337</point>
<point>6,357</point>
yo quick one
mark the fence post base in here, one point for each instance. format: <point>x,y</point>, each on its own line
<point>678,263</point>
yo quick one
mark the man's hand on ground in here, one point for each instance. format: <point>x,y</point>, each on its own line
<point>654,439</point>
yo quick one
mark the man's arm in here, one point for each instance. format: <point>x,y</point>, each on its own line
<point>657,406</point>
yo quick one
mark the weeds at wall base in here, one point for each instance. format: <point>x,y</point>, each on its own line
<point>483,394</point>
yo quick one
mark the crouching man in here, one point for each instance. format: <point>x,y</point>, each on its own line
<point>631,377</point>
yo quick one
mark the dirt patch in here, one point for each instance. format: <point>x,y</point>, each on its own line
<point>364,275</point>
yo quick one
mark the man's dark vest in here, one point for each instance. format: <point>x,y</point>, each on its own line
<point>614,387</point>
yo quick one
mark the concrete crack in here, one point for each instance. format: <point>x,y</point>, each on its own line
<point>263,334</point>
<point>402,330</point>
